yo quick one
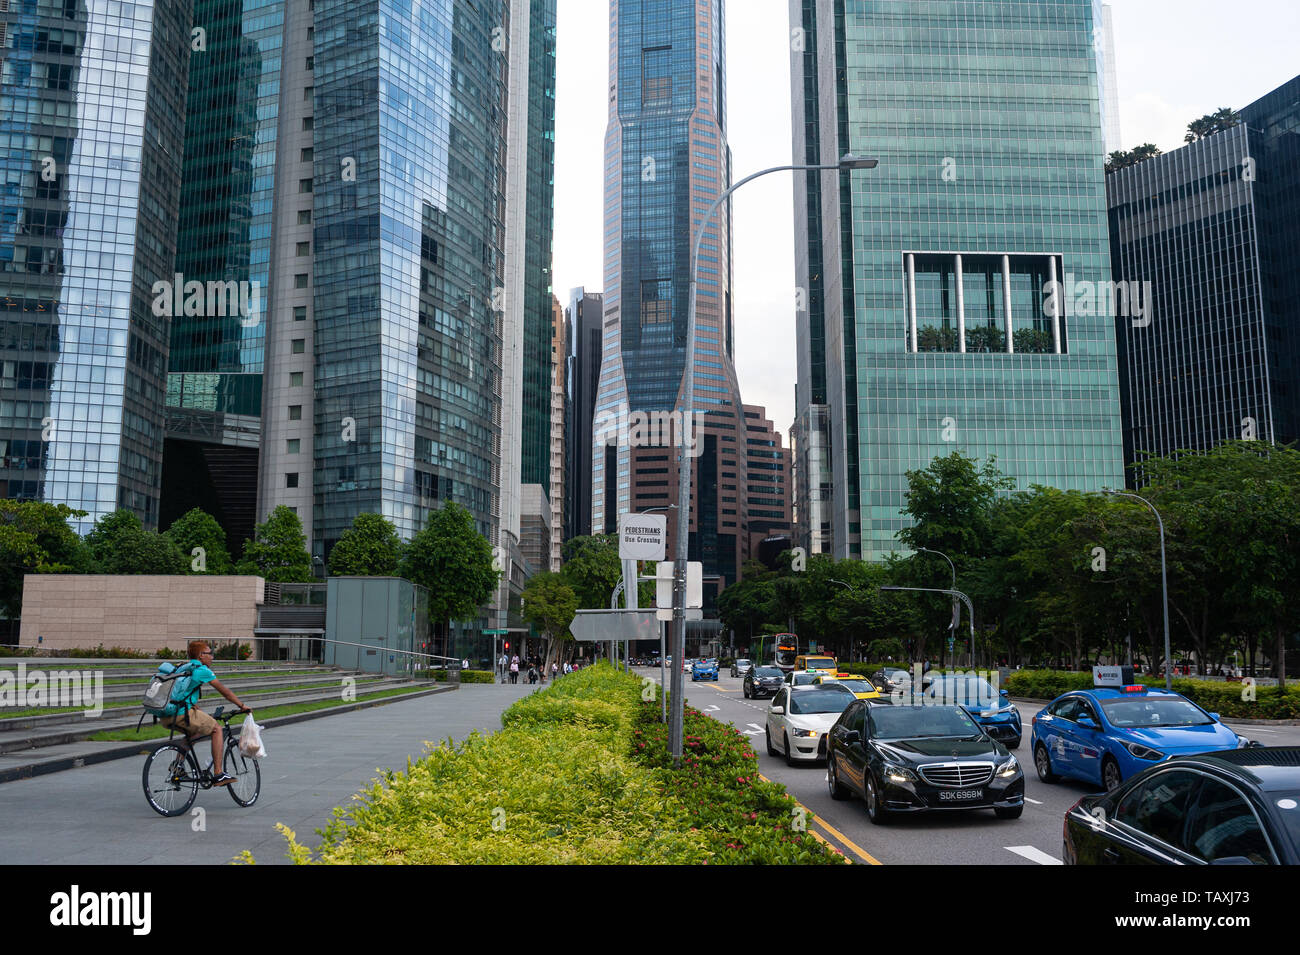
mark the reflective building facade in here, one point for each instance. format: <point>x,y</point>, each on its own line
<point>934,332</point>
<point>92,113</point>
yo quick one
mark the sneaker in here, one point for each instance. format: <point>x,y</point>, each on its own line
<point>225,779</point>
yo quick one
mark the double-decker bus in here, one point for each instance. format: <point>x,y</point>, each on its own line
<point>785,651</point>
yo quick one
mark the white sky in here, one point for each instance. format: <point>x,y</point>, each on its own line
<point>1176,60</point>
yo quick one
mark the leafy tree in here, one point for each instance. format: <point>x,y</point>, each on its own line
<point>35,539</point>
<point>549,604</point>
<point>1121,159</point>
<point>119,544</point>
<point>369,548</point>
<point>592,568</point>
<point>1209,124</point>
<point>743,605</point>
<point>197,528</point>
<point>278,550</point>
<point>453,561</point>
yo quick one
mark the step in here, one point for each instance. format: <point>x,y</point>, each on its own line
<point>134,690</point>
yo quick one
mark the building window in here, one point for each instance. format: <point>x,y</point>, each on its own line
<point>307,93</point>
<point>304,217</point>
<point>311,62</point>
<point>307,123</point>
<point>299,346</point>
<point>304,185</point>
<point>295,379</point>
<point>306,154</point>
<point>656,302</point>
<point>295,412</point>
<point>291,479</point>
<point>300,280</point>
<point>303,248</point>
<point>300,313</point>
<point>292,445</point>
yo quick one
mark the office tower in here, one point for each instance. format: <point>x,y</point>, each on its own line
<point>87,242</point>
<point>232,223</point>
<point>1104,44</point>
<point>935,334</point>
<point>584,320</point>
<point>666,160</point>
<point>767,495</point>
<point>1207,239</point>
<point>559,369</point>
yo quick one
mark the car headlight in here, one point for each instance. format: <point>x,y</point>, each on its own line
<point>799,732</point>
<point>1144,752</point>
<point>1009,768</point>
<point>899,774</point>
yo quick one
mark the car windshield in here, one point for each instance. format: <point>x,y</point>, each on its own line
<point>901,722</point>
<point>857,686</point>
<point>1154,711</point>
<point>742,663</point>
<point>785,657</point>
<point>968,691</point>
<point>820,701</point>
<point>819,663</point>
<point>767,671</point>
<point>802,679</point>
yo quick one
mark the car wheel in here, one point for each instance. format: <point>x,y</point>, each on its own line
<point>1110,774</point>
<point>1015,744</point>
<point>771,750</point>
<point>838,791</point>
<point>1043,763</point>
<point>1008,812</point>
<point>789,753</point>
<point>876,812</point>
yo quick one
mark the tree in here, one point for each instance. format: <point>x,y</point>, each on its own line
<point>592,568</point>
<point>1209,124</point>
<point>1121,159</point>
<point>369,548</point>
<point>199,529</point>
<point>35,539</point>
<point>278,550</point>
<point>453,561</point>
<point>549,605</point>
<point>120,545</point>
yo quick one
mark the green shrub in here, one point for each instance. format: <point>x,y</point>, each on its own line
<point>466,676</point>
<point>1224,698</point>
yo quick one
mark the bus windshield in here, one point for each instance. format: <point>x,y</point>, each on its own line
<point>785,656</point>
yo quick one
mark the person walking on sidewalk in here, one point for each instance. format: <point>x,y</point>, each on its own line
<point>514,669</point>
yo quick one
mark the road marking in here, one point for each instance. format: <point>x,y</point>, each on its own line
<point>719,688</point>
<point>1256,729</point>
<point>860,852</point>
<point>1036,802</point>
<point>756,731</point>
<point>1034,855</point>
<point>711,708</point>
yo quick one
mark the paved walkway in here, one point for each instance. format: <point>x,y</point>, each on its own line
<point>98,815</point>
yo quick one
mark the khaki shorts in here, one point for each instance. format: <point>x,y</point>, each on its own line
<point>194,723</point>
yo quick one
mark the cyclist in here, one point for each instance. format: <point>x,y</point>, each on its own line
<point>185,715</point>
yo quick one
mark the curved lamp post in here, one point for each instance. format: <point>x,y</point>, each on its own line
<point>1164,585</point>
<point>847,161</point>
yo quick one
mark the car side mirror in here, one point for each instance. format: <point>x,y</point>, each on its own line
<point>778,710</point>
<point>1087,721</point>
<point>852,736</point>
<point>1214,716</point>
<point>1002,693</point>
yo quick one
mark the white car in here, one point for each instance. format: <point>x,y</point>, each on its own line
<point>799,719</point>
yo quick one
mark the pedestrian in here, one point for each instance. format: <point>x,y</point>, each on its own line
<point>532,674</point>
<point>555,670</point>
<point>514,670</point>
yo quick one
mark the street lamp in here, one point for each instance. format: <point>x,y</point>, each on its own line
<point>1164,585</point>
<point>846,162</point>
<point>956,620</point>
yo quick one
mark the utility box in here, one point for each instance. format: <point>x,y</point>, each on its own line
<point>375,624</point>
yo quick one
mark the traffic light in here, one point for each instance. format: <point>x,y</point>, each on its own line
<point>507,644</point>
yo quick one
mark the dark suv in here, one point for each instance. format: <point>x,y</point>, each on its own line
<point>762,681</point>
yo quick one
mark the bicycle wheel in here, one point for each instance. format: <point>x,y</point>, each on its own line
<point>171,780</point>
<point>248,776</point>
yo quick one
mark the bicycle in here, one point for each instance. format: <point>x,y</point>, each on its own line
<point>172,776</point>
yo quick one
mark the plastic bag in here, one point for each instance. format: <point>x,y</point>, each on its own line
<point>250,738</point>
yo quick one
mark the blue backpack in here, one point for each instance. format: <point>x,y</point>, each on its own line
<point>171,684</point>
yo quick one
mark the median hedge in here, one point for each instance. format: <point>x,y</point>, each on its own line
<point>1224,698</point>
<point>466,676</point>
<point>579,773</point>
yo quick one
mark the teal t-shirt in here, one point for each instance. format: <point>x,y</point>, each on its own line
<point>186,690</point>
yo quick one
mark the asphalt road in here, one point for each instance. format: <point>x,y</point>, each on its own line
<point>941,838</point>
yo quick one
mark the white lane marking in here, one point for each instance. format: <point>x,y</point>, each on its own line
<point>755,731</point>
<point>1034,855</point>
<point>711,709</point>
<point>1036,802</point>
<point>1256,729</point>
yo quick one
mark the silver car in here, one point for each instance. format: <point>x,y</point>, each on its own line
<point>740,667</point>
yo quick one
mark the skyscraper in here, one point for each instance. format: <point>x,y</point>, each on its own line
<point>666,160</point>
<point>1208,236</point>
<point>583,318</point>
<point>932,333</point>
<point>87,242</point>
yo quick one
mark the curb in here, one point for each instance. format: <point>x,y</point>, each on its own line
<point>31,770</point>
<point>1222,719</point>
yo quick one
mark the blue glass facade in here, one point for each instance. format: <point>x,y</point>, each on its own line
<point>986,121</point>
<point>407,256</point>
<point>91,124</point>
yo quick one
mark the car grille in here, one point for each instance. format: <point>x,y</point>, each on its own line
<point>957,774</point>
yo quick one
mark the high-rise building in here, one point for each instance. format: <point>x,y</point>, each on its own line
<point>1207,240</point>
<point>93,146</point>
<point>768,492</point>
<point>666,160</point>
<point>1104,45</point>
<point>935,333</point>
<point>555,489</point>
<point>584,319</point>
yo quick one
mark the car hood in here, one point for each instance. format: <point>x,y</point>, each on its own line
<point>927,748</point>
<point>813,721</point>
<point>1182,739</point>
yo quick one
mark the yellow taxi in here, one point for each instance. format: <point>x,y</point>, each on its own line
<point>816,663</point>
<point>860,686</point>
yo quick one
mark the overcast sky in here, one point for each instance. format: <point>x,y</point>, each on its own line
<point>1176,60</point>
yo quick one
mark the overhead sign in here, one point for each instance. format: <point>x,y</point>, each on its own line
<point>664,588</point>
<point>603,625</point>
<point>642,536</point>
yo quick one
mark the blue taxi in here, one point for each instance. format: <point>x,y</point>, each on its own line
<point>1107,734</point>
<point>704,669</point>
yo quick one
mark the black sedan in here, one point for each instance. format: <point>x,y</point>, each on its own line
<point>917,758</point>
<point>1228,807</point>
<point>762,681</point>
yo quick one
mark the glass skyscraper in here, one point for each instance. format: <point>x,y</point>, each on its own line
<point>92,116</point>
<point>934,331</point>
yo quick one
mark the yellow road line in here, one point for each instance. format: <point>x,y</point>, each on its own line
<point>860,852</point>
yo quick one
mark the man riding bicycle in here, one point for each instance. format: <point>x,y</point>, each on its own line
<point>184,714</point>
